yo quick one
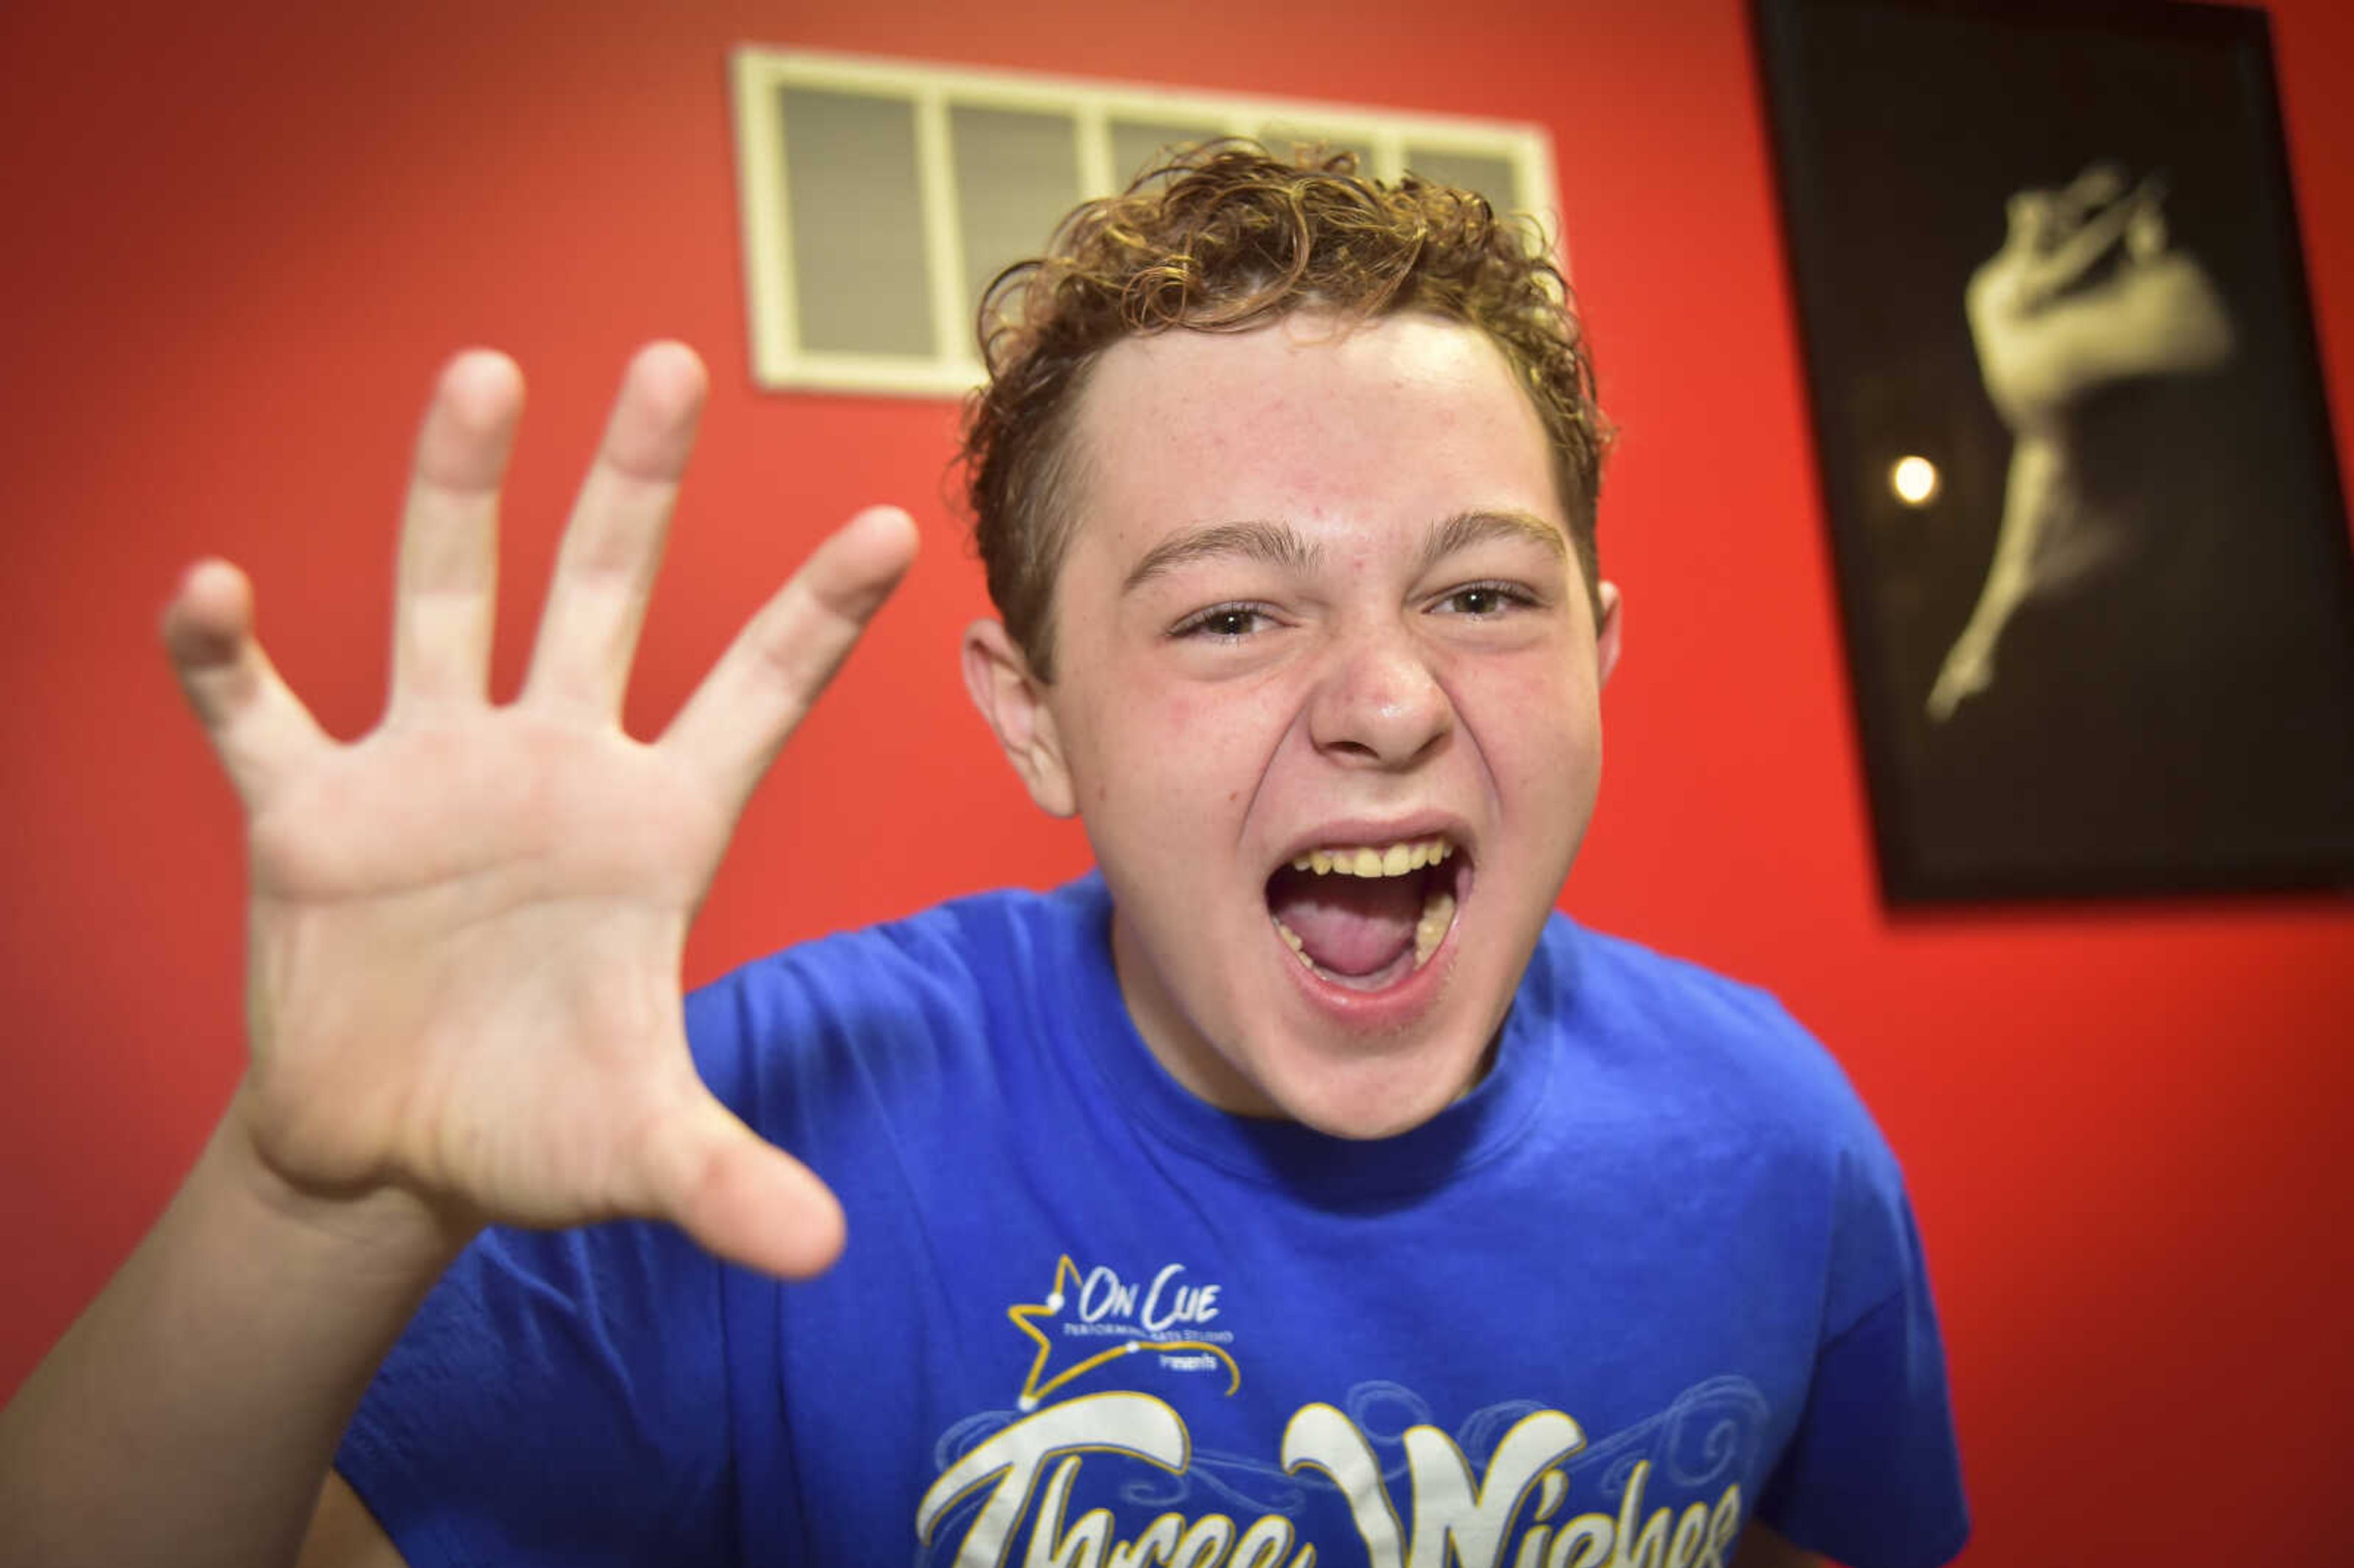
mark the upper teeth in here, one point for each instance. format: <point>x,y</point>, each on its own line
<point>1396,860</point>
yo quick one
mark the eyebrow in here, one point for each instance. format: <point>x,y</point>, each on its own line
<point>1466,529</point>
<point>1279,544</point>
<point>1275,543</point>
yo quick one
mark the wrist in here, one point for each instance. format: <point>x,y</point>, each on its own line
<point>378,1230</point>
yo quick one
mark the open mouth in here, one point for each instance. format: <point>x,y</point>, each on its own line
<point>1366,916</point>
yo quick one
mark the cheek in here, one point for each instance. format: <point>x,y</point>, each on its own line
<point>1211,745</point>
<point>1196,742</point>
<point>1537,727</point>
<point>1177,751</point>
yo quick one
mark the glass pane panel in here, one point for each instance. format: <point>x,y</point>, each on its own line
<point>1491,177</point>
<point>1137,145</point>
<point>1017,173</point>
<point>857,223</point>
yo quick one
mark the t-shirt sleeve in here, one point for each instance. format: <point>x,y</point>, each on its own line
<point>1872,1475</point>
<point>559,1399</point>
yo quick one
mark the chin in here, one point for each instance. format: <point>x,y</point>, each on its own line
<point>1378,1109</point>
<point>1361,1084</point>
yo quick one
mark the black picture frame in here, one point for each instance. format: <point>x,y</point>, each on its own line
<point>2168,705</point>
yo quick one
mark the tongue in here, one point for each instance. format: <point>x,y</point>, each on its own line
<point>1349,924</point>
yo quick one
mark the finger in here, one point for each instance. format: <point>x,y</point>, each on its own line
<point>605,569</point>
<point>258,728</point>
<point>732,726</point>
<point>447,598</point>
<point>741,1197</point>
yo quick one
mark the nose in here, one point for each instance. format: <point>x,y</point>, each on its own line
<point>1378,701</point>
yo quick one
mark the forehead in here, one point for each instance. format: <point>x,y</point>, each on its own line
<point>1330,428</point>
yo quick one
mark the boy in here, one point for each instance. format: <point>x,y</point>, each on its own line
<point>1299,1189</point>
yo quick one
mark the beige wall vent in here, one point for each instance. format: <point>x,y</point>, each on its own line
<point>880,197</point>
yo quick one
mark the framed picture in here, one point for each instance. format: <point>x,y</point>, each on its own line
<point>2092,553</point>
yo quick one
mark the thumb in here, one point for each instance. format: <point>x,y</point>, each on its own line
<point>258,726</point>
<point>739,1196</point>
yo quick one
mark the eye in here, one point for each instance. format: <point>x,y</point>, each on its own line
<point>1222,622</point>
<point>1485,601</point>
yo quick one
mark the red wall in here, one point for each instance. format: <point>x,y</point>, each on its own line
<point>238,247</point>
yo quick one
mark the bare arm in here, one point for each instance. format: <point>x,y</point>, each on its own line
<point>189,1414</point>
<point>343,1534</point>
<point>463,996</point>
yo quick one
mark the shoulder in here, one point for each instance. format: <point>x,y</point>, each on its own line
<point>952,950</point>
<point>1718,1075</point>
<point>1712,1069</point>
<point>888,1007</point>
<point>1677,1022</point>
<point>1660,985</point>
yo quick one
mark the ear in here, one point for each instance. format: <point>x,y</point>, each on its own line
<point>1607,636</point>
<point>1012,702</point>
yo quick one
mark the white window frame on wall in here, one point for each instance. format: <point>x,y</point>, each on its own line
<point>761,75</point>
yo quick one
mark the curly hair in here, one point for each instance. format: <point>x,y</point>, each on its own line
<point>1223,238</point>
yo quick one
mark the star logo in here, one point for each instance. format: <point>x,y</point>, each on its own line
<point>1062,1293</point>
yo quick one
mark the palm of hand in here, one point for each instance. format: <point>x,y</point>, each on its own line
<point>466,927</point>
<point>468,933</point>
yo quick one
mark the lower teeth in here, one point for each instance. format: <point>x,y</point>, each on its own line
<point>1438,915</point>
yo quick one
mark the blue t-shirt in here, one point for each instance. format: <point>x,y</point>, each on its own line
<point>1654,1276</point>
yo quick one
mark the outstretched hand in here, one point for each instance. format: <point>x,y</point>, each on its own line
<point>466,926</point>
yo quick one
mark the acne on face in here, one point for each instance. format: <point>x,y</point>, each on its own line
<point>1320,595</point>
